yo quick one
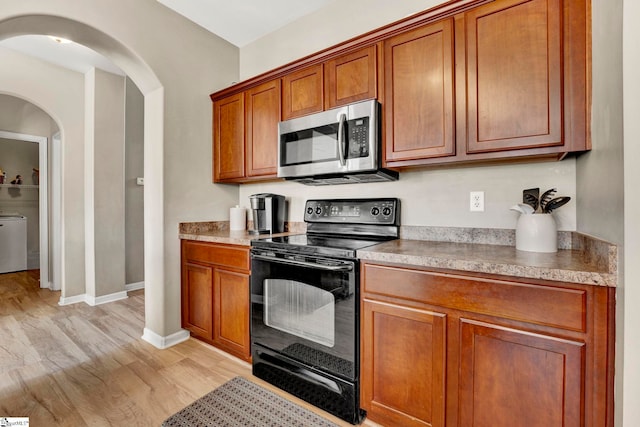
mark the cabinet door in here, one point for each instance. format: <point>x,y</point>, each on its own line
<point>403,365</point>
<point>351,78</point>
<point>418,81</point>
<point>231,312</point>
<point>510,377</point>
<point>302,92</point>
<point>514,75</point>
<point>197,310</point>
<point>228,138</point>
<point>263,115</point>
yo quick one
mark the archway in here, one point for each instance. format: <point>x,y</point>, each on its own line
<point>145,79</point>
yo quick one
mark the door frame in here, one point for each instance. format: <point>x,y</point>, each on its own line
<point>43,208</point>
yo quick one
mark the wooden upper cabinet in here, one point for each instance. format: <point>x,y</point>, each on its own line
<point>351,77</point>
<point>419,93</point>
<point>262,117</point>
<point>514,75</point>
<point>302,92</point>
<point>467,81</point>
<point>228,138</point>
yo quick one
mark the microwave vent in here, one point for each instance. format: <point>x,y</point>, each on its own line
<point>381,175</point>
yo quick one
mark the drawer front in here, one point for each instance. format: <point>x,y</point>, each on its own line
<point>218,254</point>
<point>542,305</point>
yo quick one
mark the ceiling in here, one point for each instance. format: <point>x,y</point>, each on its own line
<point>238,22</point>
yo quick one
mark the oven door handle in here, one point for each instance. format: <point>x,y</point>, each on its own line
<point>343,267</point>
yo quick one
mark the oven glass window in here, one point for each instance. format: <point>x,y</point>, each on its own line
<point>299,309</point>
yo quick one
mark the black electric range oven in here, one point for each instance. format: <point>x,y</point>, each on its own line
<point>305,302</point>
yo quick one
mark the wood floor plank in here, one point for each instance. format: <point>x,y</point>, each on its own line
<point>78,365</point>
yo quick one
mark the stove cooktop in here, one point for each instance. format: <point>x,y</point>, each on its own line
<point>321,245</point>
<point>339,227</point>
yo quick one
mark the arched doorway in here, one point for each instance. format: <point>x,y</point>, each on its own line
<point>51,102</point>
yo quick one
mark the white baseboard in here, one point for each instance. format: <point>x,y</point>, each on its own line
<point>134,286</point>
<point>72,300</point>
<point>165,342</point>
<point>91,300</point>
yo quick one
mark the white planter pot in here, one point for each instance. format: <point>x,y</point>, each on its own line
<point>537,233</point>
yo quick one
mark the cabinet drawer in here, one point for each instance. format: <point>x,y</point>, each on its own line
<point>209,253</point>
<point>543,305</point>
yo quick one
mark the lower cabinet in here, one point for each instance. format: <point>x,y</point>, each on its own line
<point>442,348</point>
<point>215,295</point>
<point>403,364</point>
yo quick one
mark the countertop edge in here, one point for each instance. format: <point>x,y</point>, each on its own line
<point>502,269</point>
<point>602,256</point>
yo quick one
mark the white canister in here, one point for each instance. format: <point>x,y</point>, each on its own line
<point>537,233</point>
<point>237,218</point>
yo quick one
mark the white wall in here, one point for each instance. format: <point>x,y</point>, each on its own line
<point>438,197</point>
<point>104,172</point>
<point>19,116</point>
<point>133,193</point>
<point>629,375</point>
<point>60,94</point>
<point>176,70</point>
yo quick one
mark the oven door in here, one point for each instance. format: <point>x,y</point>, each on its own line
<point>305,308</point>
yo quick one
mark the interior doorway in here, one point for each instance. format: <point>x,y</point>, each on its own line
<point>41,185</point>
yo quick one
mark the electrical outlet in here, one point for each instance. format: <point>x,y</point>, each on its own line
<point>476,201</point>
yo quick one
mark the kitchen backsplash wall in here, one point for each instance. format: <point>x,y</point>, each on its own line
<point>440,197</point>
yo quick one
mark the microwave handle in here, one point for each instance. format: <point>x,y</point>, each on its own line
<point>341,139</point>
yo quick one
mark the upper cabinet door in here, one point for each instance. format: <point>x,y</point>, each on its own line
<point>262,115</point>
<point>351,78</point>
<point>228,138</point>
<point>514,75</point>
<point>302,92</point>
<point>419,93</point>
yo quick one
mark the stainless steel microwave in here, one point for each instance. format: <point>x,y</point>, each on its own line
<point>337,146</point>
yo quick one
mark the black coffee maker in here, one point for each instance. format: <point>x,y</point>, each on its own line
<point>267,210</point>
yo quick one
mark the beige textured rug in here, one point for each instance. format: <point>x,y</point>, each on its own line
<point>241,403</point>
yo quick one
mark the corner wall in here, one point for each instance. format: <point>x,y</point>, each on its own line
<point>630,373</point>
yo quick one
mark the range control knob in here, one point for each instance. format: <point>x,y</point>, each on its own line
<point>375,211</point>
<point>386,211</point>
<point>318,210</point>
<point>309,210</point>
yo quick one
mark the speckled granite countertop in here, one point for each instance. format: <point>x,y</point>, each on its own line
<point>581,259</point>
<point>218,232</point>
<point>589,261</point>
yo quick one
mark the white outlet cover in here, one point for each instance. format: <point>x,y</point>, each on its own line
<point>140,180</point>
<point>476,201</point>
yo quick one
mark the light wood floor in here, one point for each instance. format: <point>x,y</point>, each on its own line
<point>79,365</point>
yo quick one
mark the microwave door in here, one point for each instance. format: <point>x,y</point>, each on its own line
<point>309,146</point>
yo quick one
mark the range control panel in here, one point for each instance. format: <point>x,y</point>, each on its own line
<point>354,211</point>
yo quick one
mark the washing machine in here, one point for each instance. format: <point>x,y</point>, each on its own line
<point>13,243</point>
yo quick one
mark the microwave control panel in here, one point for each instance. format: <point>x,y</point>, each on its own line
<point>358,138</point>
<point>355,211</point>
